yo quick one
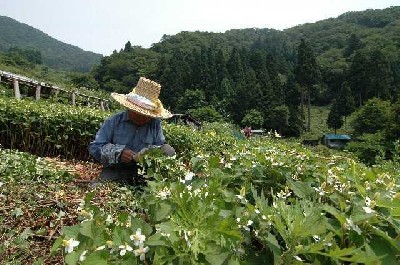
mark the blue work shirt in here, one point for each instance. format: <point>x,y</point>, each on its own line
<point>117,133</point>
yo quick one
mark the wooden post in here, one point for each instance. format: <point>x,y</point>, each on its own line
<point>37,95</point>
<point>73,98</point>
<point>17,93</point>
<point>102,105</point>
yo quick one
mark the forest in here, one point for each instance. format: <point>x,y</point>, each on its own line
<point>264,78</point>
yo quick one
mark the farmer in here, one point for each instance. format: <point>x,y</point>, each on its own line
<point>125,136</point>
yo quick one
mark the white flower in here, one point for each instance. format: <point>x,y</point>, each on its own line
<point>138,238</point>
<point>109,243</point>
<point>100,248</point>
<point>353,226</point>
<point>298,258</point>
<point>109,219</point>
<point>166,234</point>
<point>239,197</point>
<point>263,217</point>
<point>257,211</point>
<point>81,205</point>
<point>185,235</point>
<point>316,238</point>
<point>1,184</point>
<point>141,251</point>
<point>164,193</point>
<point>82,257</point>
<point>70,244</point>
<point>189,176</point>
<point>368,210</point>
<point>320,191</point>
<point>87,215</point>
<point>124,249</point>
<point>249,223</point>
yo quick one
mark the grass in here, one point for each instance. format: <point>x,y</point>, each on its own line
<point>319,115</point>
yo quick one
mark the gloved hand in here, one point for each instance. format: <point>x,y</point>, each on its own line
<point>136,156</point>
<point>168,150</point>
<point>127,155</point>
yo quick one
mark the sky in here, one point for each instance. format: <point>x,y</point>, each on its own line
<point>103,26</point>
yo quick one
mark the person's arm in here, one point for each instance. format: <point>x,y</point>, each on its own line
<point>159,138</point>
<point>102,148</point>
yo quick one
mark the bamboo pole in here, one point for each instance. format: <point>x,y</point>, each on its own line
<point>37,94</point>
<point>17,93</point>
<point>73,98</point>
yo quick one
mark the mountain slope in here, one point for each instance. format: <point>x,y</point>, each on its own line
<point>56,54</point>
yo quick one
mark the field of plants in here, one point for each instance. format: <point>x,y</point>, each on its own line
<point>221,200</point>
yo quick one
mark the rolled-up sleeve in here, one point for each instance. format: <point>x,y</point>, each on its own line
<point>102,148</point>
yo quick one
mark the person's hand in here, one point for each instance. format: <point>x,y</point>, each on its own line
<point>127,155</point>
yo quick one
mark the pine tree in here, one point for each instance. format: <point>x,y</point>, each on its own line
<point>335,120</point>
<point>307,73</point>
<point>345,101</point>
<point>353,44</point>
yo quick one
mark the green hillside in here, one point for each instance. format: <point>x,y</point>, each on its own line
<point>56,54</point>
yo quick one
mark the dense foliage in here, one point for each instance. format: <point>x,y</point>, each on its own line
<point>229,201</point>
<point>376,125</point>
<point>55,54</point>
<point>48,129</point>
<point>356,58</point>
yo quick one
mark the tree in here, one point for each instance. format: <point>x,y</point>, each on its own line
<point>353,44</point>
<point>128,47</point>
<point>206,114</point>
<point>335,120</point>
<point>372,117</point>
<point>358,77</point>
<point>307,73</point>
<point>345,101</point>
<point>191,99</point>
<point>280,118</point>
<point>253,118</point>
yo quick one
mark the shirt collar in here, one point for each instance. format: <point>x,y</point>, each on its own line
<point>125,116</point>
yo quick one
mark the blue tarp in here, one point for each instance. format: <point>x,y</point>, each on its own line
<point>331,136</point>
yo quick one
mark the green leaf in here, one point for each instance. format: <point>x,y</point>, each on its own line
<point>72,258</point>
<point>139,223</point>
<point>89,196</point>
<point>70,231</point>
<point>273,244</point>
<point>213,162</point>
<point>56,246</point>
<point>384,249</point>
<point>120,235</point>
<point>156,240</point>
<point>86,229</point>
<point>162,211</point>
<point>97,258</point>
<point>215,254</point>
<point>302,189</point>
<point>338,215</point>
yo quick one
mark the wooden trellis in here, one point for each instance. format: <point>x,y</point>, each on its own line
<point>16,80</point>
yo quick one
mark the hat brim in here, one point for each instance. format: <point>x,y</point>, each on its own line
<point>157,113</point>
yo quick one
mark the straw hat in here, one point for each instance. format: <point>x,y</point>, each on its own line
<point>144,99</point>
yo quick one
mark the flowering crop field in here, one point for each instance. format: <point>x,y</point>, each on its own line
<point>221,200</point>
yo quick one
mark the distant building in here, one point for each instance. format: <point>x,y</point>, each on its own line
<point>335,140</point>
